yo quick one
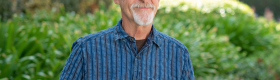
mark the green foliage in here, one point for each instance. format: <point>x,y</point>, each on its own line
<point>232,18</point>
<point>225,41</point>
<point>10,7</point>
<point>36,46</point>
<point>5,10</point>
<point>236,22</point>
<point>203,47</point>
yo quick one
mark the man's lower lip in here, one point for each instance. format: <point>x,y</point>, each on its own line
<point>144,8</point>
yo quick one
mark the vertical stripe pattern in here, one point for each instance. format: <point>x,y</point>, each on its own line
<point>110,55</point>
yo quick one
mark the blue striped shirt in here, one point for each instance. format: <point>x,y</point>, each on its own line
<point>111,55</point>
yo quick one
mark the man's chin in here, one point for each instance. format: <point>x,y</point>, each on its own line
<point>144,20</point>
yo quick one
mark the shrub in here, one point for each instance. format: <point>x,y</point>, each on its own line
<point>36,46</point>
<point>231,18</point>
<point>255,36</point>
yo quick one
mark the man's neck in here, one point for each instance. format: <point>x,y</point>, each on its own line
<point>135,30</point>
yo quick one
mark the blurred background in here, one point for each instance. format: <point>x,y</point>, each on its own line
<point>227,39</point>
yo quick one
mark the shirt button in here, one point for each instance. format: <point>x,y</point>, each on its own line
<point>137,57</point>
<point>131,39</point>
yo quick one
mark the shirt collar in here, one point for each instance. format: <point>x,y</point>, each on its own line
<point>120,34</point>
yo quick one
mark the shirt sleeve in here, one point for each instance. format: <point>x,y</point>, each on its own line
<point>73,67</point>
<point>187,73</point>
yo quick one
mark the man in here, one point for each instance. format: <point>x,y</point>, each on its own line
<point>131,50</point>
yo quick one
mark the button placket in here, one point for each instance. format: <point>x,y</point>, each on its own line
<point>134,71</point>
<point>135,68</point>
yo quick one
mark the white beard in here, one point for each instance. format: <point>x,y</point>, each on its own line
<point>143,19</point>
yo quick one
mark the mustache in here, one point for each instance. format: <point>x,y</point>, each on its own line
<point>142,5</point>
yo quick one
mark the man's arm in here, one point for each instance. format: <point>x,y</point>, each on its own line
<point>187,73</point>
<point>73,67</point>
